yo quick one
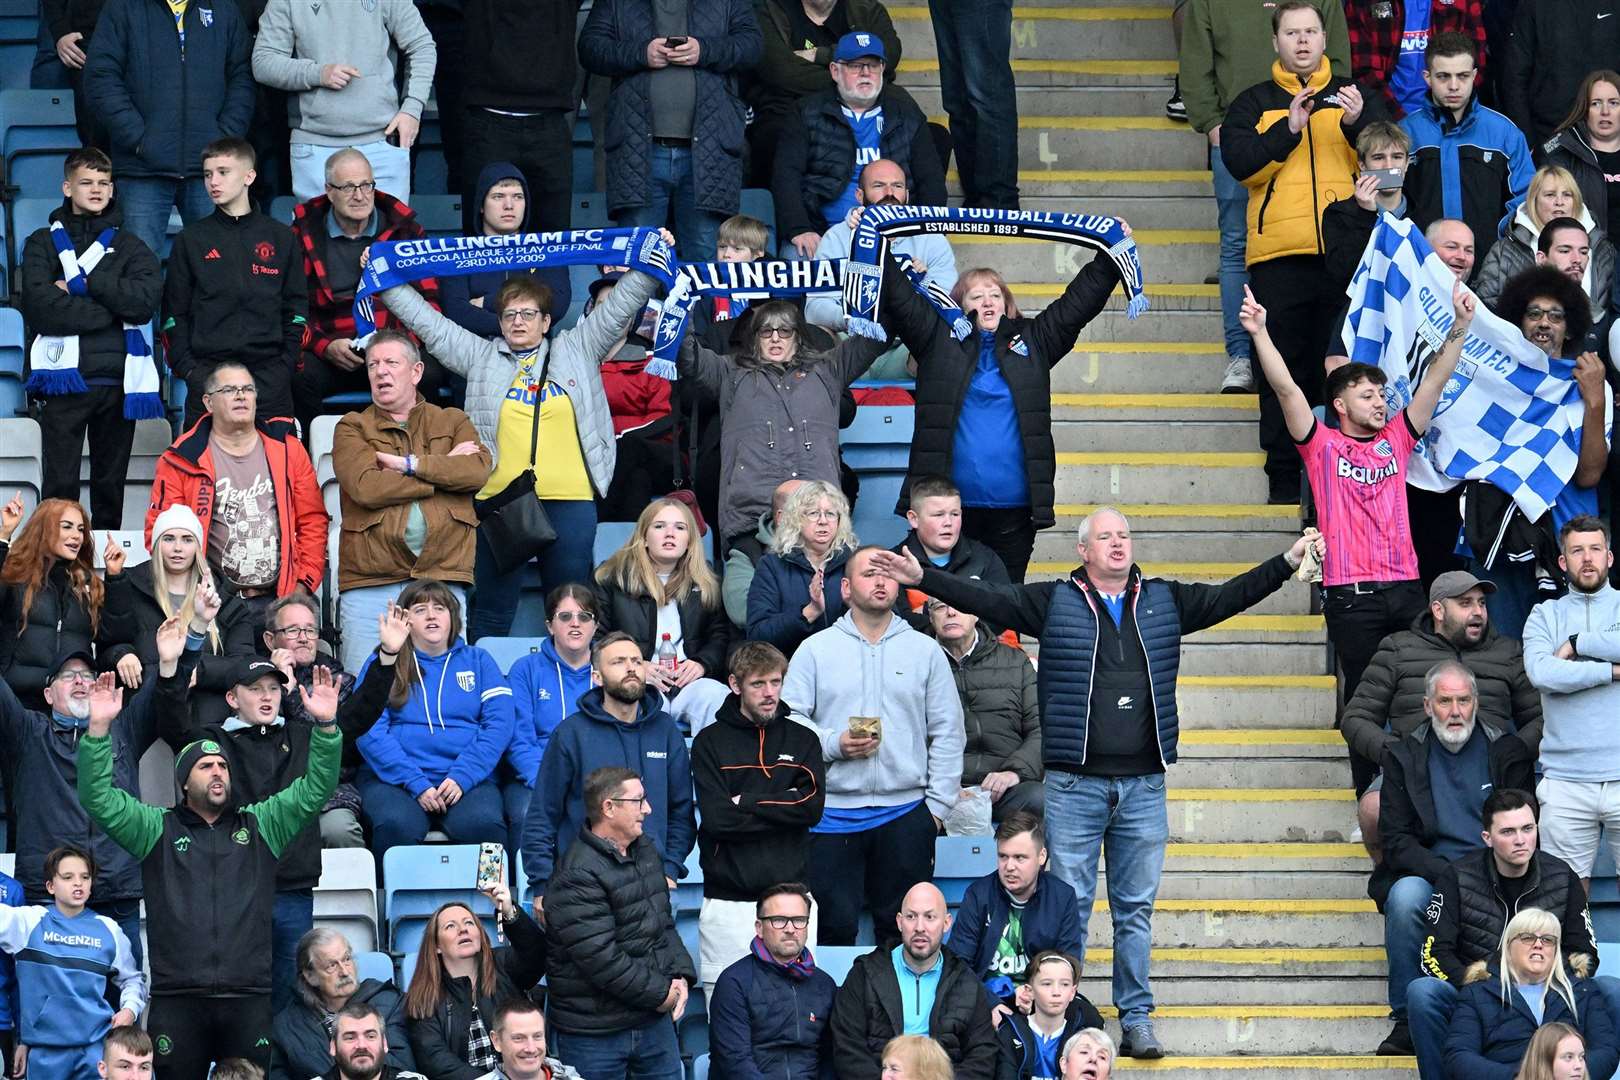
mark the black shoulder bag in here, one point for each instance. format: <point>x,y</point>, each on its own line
<point>514,521</point>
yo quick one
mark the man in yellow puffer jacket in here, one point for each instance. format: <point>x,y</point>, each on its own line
<point>1291,141</point>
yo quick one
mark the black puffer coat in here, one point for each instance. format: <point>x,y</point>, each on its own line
<point>1000,709</point>
<point>132,596</point>
<point>56,622</point>
<point>439,1043</point>
<point>614,43</point>
<point>613,940</point>
<point>706,634</point>
<point>1027,349</point>
<point>868,1012</point>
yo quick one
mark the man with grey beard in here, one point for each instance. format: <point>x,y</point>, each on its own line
<point>1436,781</point>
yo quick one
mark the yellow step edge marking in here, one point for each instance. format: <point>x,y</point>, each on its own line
<point>1136,348</point>
<point>1282,849</point>
<point>1258,682</point>
<point>1286,624</point>
<point>1157,401</point>
<point>1262,1012</point>
<point>1059,14</point>
<point>1366,1063</point>
<point>1261,795</point>
<point>1109,176</point>
<point>1062,67</point>
<point>1262,737</point>
<point>1090,123</point>
<point>1212,459</point>
<point>1161,510</point>
<point>1262,907</point>
<point>1143,238</point>
<point>1343,955</point>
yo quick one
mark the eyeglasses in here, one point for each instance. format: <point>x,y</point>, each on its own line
<point>232,391</point>
<point>1550,314</point>
<point>584,618</point>
<point>862,67</point>
<point>782,922</point>
<point>1547,940</point>
<point>822,515</point>
<point>643,801</point>
<point>778,333</point>
<point>76,676</point>
<point>525,314</point>
<point>365,187</point>
<point>298,631</point>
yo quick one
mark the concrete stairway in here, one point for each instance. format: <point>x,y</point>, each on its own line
<point>1267,954</point>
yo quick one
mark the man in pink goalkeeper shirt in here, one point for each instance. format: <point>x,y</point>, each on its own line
<point>1358,478</point>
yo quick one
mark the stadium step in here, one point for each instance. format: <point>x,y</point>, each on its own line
<point>1273,1067</point>
<point>1162,476</point>
<point>1117,32</point>
<point>1267,923</point>
<point>1182,256</point>
<point>1240,758</point>
<point>1251,545</point>
<point>1220,423</point>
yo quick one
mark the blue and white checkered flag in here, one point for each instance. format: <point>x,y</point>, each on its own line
<point>1510,415</point>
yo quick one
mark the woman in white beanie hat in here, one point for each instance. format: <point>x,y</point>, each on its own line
<point>153,591</point>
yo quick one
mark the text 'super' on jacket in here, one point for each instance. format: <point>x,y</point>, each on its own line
<point>614,944</point>
<point>868,1012</point>
<point>161,103</point>
<point>1292,177</point>
<point>1407,820</point>
<point>1388,703</point>
<point>1467,913</point>
<point>1064,614</point>
<point>815,157</point>
<point>614,43</point>
<point>1027,350</point>
<point>705,632</point>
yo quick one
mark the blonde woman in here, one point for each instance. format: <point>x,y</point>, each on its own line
<point>154,591</point>
<point>1553,194</point>
<point>1557,1052</point>
<point>657,586</point>
<point>916,1057</point>
<point>796,587</point>
<point>1503,1004</point>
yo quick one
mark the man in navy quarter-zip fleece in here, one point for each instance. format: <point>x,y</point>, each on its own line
<point>1110,651</point>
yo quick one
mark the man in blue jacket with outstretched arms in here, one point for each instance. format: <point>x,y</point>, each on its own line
<point>1110,652</point>
<point>209,868</point>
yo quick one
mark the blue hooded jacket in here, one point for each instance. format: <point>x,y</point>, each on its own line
<point>591,739</point>
<point>544,691</point>
<point>457,291</point>
<point>456,723</point>
<point>1051,920</point>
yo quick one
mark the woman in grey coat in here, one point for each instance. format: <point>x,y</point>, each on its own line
<point>574,458</point>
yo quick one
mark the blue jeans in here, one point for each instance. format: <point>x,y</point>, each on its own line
<point>1124,817</point>
<point>1515,595</point>
<point>1429,1005</point>
<point>649,1052</point>
<point>390,168</point>
<point>570,559</point>
<point>293,918</point>
<point>1404,930</point>
<point>974,42</point>
<point>670,181</point>
<point>1232,212</point>
<point>358,611</point>
<point>147,200</point>
<point>397,818</point>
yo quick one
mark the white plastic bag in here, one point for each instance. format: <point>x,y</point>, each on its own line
<point>971,814</point>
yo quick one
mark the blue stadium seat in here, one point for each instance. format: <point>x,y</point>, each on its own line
<point>689,890</point>
<point>590,210</point>
<point>757,203</point>
<point>836,960</point>
<point>374,965</point>
<point>439,215</point>
<point>431,175</point>
<point>27,215</point>
<point>13,360</point>
<point>418,878</point>
<point>692,1033</point>
<point>610,537</point>
<point>959,861</point>
<point>700,1067</point>
<point>281,208</point>
<point>37,131</point>
<point>407,967</point>
<point>878,447</point>
<point>508,650</point>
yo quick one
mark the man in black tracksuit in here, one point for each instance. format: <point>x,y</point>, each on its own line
<point>235,291</point>
<point>123,288</point>
<point>209,869</point>
<point>267,746</point>
<point>761,784</point>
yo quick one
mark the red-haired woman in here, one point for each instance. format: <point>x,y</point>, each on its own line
<point>50,597</point>
<point>459,982</point>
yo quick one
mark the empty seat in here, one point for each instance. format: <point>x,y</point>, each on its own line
<point>346,896</point>
<point>373,965</point>
<point>878,447</point>
<point>508,650</point>
<point>700,1067</point>
<point>281,208</point>
<point>13,361</point>
<point>590,210</point>
<point>689,890</point>
<point>27,215</point>
<point>959,861</point>
<point>610,537</point>
<point>8,864</point>
<point>836,960</point>
<point>152,438</point>
<point>757,203</point>
<point>419,878</point>
<point>133,541</point>
<point>439,215</point>
<point>19,459</point>
<point>37,131</point>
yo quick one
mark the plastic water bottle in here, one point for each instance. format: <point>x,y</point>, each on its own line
<point>665,656</point>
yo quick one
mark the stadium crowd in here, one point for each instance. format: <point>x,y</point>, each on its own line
<point>743,676</point>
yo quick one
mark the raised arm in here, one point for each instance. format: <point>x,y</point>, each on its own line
<point>132,824</point>
<point>457,348</point>
<point>1296,407</point>
<point>1427,394</point>
<point>1017,607</point>
<point>283,815</point>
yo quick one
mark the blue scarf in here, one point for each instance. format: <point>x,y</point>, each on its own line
<point>54,361</point>
<point>879,224</point>
<point>747,281</point>
<point>396,262</point>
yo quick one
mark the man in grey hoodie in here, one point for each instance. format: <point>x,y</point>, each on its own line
<point>1572,655</point>
<point>890,786</point>
<point>342,61</point>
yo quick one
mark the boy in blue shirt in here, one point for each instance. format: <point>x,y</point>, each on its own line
<point>66,955</point>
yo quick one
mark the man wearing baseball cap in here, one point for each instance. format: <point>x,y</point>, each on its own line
<point>836,133</point>
<point>209,870</point>
<point>268,748</point>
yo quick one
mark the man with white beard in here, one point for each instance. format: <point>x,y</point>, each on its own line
<point>1436,781</point>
